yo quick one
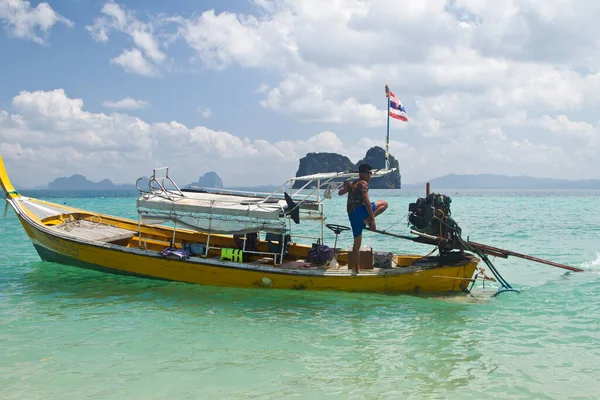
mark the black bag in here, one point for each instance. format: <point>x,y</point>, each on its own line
<point>251,241</point>
<point>319,254</point>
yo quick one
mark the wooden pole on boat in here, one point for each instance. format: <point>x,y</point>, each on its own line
<point>495,250</point>
<point>395,235</point>
<point>489,250</point>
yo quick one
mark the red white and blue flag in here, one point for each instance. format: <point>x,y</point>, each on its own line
<point>397,110</point>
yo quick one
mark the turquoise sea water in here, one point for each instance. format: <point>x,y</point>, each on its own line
<point>67,333</point>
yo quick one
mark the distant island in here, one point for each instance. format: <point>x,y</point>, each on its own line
<point>451,181</point>
<point>80,182</point>
<point>492,181</point>
<point>209,180</point>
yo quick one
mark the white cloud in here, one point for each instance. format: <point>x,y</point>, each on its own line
<point>23,21</point>
<point>145,41</point>
<point>126,104</point>
<point>515,82</point>
<point>115,18</point>
<point>119,17</point>
<point>205,112</point>
<point>557,31</point>
<point>578,133</point>
<point>339,54</point>
<point>53,130</point>
<point>309,101</point>
<point>52,104</point>
<point>134,61</point>
<point>336,53</point>
<point>49,129</point>
<point>221,39</point>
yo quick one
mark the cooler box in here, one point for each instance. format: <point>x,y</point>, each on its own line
<point>365,259</point>
<point>383,260</point>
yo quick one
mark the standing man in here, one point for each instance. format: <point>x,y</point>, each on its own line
<point>361,211</point>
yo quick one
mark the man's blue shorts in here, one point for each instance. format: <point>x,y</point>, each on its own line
<point>357,219</point>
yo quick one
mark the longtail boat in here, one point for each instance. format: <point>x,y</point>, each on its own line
<point>229,238</point>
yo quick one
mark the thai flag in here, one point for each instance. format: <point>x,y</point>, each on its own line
<point>397,110</point>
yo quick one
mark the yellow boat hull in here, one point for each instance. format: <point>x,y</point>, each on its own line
<point>146,264</point>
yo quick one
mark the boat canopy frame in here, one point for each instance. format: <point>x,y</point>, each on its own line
<point>202,209</point>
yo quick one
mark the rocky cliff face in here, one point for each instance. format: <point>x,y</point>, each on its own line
<point>314,163</point>
<point>375,157</point>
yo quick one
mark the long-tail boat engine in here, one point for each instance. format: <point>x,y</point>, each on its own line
<point>432,216</point>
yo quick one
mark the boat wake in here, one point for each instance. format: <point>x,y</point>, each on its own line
<point>592,265</point>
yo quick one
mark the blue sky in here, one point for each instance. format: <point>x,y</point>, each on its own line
<point>111,89</point>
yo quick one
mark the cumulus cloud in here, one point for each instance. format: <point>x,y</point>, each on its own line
<point>439,61</point>
<point>311,103</point>
<point>23,21</point>
<point>50,129</point>
<point>330,60</point>
<point>126,104</point>
<point>226,38</point>
<point>134,61</point>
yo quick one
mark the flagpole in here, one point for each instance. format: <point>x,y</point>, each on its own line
<point>387,138</point>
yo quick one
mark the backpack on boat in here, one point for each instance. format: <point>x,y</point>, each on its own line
<point>320,254</point>
<point>250,243</point>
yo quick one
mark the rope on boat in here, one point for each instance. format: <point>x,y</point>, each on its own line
<point>71,223</point>
<point>396,223</point>
<point>482,275</point>
<point>504,285</point>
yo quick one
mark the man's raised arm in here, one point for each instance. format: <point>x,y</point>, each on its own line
<point>344,189</point>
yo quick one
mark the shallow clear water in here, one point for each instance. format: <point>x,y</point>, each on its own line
<point>67,333</point>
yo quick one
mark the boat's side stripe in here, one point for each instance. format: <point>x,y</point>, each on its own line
<point>40,207</point>
<point>214,262</point>
<point>23,211</point>
<point>52,256</point>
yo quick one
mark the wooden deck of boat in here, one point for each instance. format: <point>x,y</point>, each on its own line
<point>75,227</point>
<point>93,231</point>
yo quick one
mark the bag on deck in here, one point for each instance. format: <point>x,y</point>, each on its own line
<point>319,254</point>
<point>251,241</point>
<point>175,252</point>
<point>195,249</point>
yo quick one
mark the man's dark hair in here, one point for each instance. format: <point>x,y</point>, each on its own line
<point>364,168</point>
